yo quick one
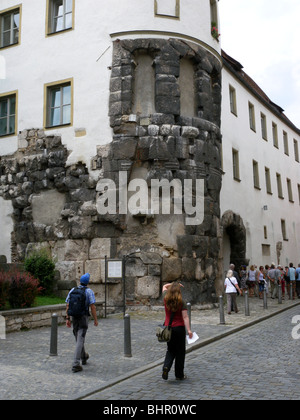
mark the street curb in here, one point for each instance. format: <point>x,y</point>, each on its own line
<point>194,347</point>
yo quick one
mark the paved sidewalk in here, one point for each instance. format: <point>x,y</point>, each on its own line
<point>29,373</point>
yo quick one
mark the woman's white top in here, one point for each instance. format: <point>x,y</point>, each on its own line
<point>230,287</point>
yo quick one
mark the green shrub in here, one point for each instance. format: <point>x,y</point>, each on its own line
<point>41,266</point>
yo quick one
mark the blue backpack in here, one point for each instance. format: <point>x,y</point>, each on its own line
<point>77,303</point>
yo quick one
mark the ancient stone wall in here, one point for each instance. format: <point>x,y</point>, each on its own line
<point>55,205</point>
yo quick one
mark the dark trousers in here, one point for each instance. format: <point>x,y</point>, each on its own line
<point>80,327</point>
<point>176,351</point>
<point>298,287</point>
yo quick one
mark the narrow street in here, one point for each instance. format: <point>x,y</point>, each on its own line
<point>261,362</point>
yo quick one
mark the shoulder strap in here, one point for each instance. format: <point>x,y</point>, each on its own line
<point>232,283</point>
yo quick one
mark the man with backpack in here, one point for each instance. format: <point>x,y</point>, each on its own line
<point>79,300</point>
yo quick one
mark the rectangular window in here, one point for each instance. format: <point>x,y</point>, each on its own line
<point>279,186</point>
<point>286,143</point>
<point>59,104</point>
<point>60,15</point>
<point>232,97</point>
<point>167,8</point>
<point>8,120</point>
<point>296,150</point>
<point>256,175</point>
<point>290,190</point>
<point>275,135</point>
<point>283,230</point>
<point>9,27</point>
<point>236,165</point>
<point>263,120</point>
<point>252,116</point>
<point>268,181</point>
<point>299,193</point>
<point>266,250</point>
<point>265,232</point>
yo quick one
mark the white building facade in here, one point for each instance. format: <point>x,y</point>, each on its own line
<point>77,77</point>
<point>261,181</point>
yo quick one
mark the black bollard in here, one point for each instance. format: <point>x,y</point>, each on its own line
<point>221,308</point>
<point>53,338</point>
<point>127,336</point>
<point>247,308</point>
<point>265,300</point>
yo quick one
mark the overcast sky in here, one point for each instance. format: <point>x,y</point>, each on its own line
<point>264,35</point>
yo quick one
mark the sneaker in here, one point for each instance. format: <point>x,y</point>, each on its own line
<point>76,368</point>
<point>87,356</point>
<point>165,373</point>
<point>182,379</point>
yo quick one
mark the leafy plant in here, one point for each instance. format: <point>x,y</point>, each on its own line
<point>4,285</point>
<point>42,267</point>
<point>23,289</point>
<point>214,31</point>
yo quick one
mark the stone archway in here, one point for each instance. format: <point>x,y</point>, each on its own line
<point>233,225</point>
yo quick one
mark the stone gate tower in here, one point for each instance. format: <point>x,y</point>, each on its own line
<point>160,121</point>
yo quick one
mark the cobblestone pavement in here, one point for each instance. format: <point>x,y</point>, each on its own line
<point>261,362</point>
<point>29,373</point>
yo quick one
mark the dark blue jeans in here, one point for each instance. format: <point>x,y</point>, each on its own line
<point>176,351</point>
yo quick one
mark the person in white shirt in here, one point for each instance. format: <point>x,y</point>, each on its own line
<point>231,288</point>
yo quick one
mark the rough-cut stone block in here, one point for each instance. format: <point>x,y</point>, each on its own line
<point>93,267</point>
<point>148,287</point>
<point>171,269</point>
<point>100,248</point>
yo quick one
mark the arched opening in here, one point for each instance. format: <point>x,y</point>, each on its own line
<point>234,240</point>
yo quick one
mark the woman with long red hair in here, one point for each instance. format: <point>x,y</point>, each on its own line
<point>174,304</point>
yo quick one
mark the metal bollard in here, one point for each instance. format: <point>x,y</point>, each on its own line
<point>189,308</point>
<point>265,300</point>
<point>53,338</point>
<point>221,308</point>
<point>127,336</point>
<point>247,309</point>
<point>291,290</point>
<point>279,294</point>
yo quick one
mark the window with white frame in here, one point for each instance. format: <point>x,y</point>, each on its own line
<point>8,115</point>
<point>60,15</point>
<point>268,181</point>
<point>58,104</point>
<point>283,230</point>
<point>296,150</point>
<point>236,164</point>
<point>286,143</point>
<point>279,186</point>
<point>252,116</point>
<point>9,27</point>
<point>263,120</point>
<point>256,175</point>
<point>275,135</point>
<point>290,190</point>
<point>167,8</point>
<point>232,97</point>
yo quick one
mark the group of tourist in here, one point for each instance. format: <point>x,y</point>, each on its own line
<point>257,280</point>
